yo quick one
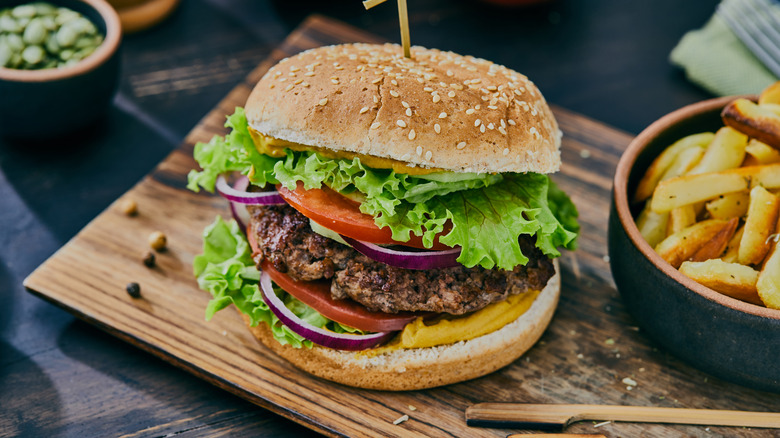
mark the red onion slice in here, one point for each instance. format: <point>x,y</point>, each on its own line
<point>244,197</point>
<point>315,334</point>
<point>239,211</point>
<point>406,259</point>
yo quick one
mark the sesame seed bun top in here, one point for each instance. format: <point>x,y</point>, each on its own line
<point>439,109</point>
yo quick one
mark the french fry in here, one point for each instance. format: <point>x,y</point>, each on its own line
<point>760,153</point>
<point>715,246</point>
<point>729,206</point>
<point>771,94</point>
<point>688,189</point>
<point>773,107</point>
<point>680,218</point>
<point>726,151</point>
<point>768,284</point>
<point>759,224</point>
<point>663,162</point>
<point>732,279</point>
<point>731,253</point>
<point>680,246</point>
<point>652,226</point>
<point>753,120</point>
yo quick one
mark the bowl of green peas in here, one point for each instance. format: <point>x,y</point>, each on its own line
<point>59,66</point>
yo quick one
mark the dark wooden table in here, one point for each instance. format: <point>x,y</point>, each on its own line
<point>61,377</point>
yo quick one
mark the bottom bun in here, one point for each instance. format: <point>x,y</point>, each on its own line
<point>420,368</point>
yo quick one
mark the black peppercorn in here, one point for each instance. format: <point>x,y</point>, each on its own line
<point>149,259</point>
<point>133,289</point>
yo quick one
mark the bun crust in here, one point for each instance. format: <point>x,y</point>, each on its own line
<point>439,109</point>
<point>405,370</point>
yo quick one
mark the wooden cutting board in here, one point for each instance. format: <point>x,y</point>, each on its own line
<point>591,346</point>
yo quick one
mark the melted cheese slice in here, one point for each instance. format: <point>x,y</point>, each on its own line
<point>275,147</point>
<point>421,334</point>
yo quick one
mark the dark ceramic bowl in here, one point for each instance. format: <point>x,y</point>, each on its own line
<point>45,104</point>
<point>725,337</point>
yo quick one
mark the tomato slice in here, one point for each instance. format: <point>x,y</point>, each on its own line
<point>342,215</point>
<point>316,294</point>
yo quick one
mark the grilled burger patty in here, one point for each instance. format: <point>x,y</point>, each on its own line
<point>288,242</point>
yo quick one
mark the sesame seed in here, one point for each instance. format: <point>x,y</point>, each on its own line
<point>282,79</point>
<point>298,81</point>
<point>503,122</point>
<point>419,150</point>
<point>409,112</point>
<point>401,123</point>
<point>294,69</point>
<point>492,107</point>
<point>376,81</point>
<point>477,122</point>
<point>428,89</point>
<point>394,93</point>
<point>272,86</point>
<point>305,84</point>
<point>405,104</point>
<point>482,128</point>
<point>502,130</point>
<point>421,80</point>
<point>478,107</point>
<point>451,93</point>
<point>309,73</point>
<point>492,88</point>
<point>461,145</point>
<point>443,115</point>
<point>437,128</point>
<point>470,111</point>
<point>339,68</point>
<point>476,81</point>
<point>323,102</point>
<point>450,73</point>
<point>289,87</point>
<point>512,122</point>
<point>334,81</point>
<point>363,110</point>
<point>412,134</point>
<point>428,155</point>
<point>394,82</point>
<point>506,151</point>
<point>375,125</point>
<point>436,98</point>
<point>491,126</point>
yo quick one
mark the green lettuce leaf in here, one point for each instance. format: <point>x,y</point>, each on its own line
<point>488,212</point>
<point>227,271</point>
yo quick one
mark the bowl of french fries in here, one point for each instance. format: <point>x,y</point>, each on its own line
<point>694,235</point>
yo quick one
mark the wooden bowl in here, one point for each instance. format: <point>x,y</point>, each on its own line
<point>45,104</point>
<point>725,337</point>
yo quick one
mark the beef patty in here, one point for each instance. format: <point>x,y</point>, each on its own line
<point>288,242</point>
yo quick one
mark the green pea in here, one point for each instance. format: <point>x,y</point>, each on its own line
<point>86,41</point>
<point>67,36</point>
<point>23,11</point>
<point>22,22</point>
<point>65,15</point>
<point>66,54</point>
<point>48,23</point>
<point>35,32</point>
<point>16,61</point>
<point>51,44</point>
<point>5,54</point>
<point>15,42</point>
<point>9,24</point>
<point>33,54</point>
<point>44,8</point>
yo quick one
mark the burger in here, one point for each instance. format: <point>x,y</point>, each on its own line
<point>395,225</point>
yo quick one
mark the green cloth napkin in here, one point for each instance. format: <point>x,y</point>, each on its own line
<point>715,59</point>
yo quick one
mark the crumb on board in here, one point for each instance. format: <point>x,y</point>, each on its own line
<point>629,381</point>
<point>585,153</point>
<point>606,258</point>
<point>610,341</point>
<point>401,419</point>
<point>412,408</point>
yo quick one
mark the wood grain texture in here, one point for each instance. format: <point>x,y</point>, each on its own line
<point>590,347</point>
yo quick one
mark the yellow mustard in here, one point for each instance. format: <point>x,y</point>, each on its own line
<point>275,147</point>
<point>445,331</point>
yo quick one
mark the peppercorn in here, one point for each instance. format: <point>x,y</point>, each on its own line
<point>129,207</point>
<point>157,240</point>
<point>133,289</point>
<point>149,259</point>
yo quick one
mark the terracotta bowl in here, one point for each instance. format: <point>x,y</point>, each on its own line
<point>45,104</point>
<point>725,337</point>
